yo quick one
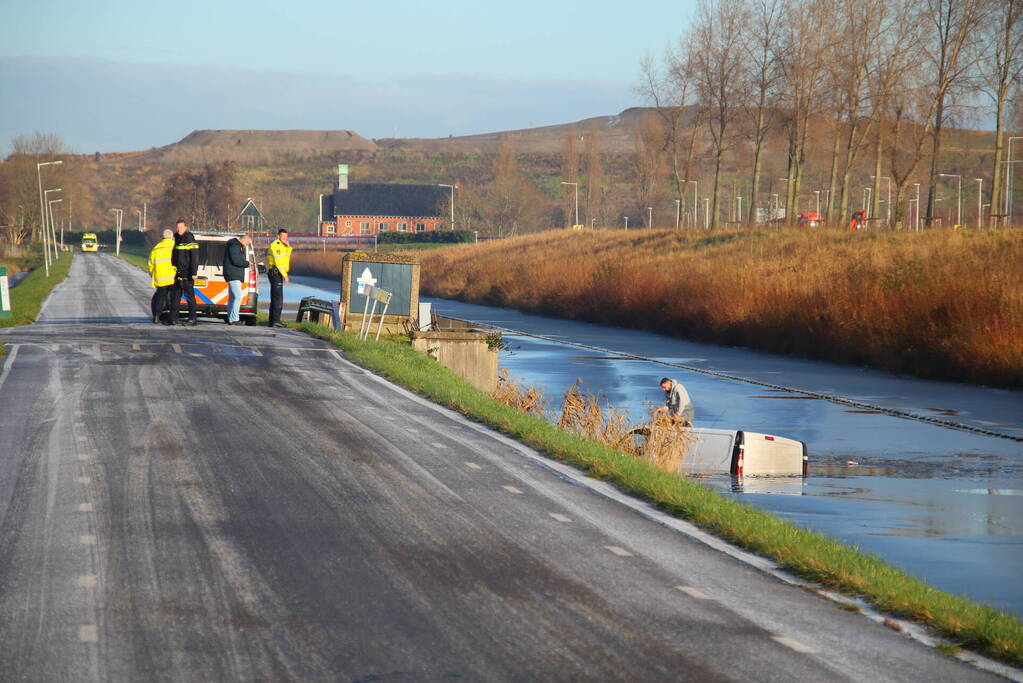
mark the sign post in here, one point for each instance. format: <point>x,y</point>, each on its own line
<point>5,294</point>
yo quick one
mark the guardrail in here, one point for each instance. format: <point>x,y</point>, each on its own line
<point>315,308</point>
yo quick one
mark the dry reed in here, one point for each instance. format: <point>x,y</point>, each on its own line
<point>937,304</point>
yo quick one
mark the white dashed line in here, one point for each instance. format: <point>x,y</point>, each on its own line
<point>693,592</point>
<point>87,581</point>
<point>97,349</point>
<point>84,480</point>
<point>474,466</point>
<point>334,353</point>
<point>560,517</point>
<point>176,347</point>
<point>88,633</point>
<point>793,644</point>
<point>195,355</point>
<point>84,456</point>
<point>136,347</point>
<point>512,489</point>
<point>255,351</point>
<point>55,347</point>
<point>294,351</point>
<point>438,445</point>
<point>85,507</point>
<point>620,552</point>
<point>87,539</point>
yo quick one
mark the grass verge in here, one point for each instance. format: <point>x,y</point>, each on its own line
<point>139,258</point>
<point>809,554</point>
<point>27,297</point>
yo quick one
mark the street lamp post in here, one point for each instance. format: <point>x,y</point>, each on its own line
<point>47,220</point>
<point>451,226</point>
<point>959,199</point>
<point>817,198</point>
<point>117,239</point>
<point>696,199</point>
<point>626,224</point>
<point>139,212</point>
<point>980,198</point>
<point>649,218</point>
<point>866,201</point>
<point>576,187</point>
<point>706,213</point>
<point>49,208</point>
<point>916,214</point>
<point>678,212</point>
<point>42,209</point>
<point>1008,183</point>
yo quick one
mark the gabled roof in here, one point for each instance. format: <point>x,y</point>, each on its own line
<point>385,199</point>
<point>250,209</point>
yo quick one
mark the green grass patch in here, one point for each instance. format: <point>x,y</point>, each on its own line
<point>136,257</point>
<point>809,554</point>
<point>27,297</point>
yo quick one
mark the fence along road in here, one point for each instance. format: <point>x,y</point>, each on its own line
<point>224,502</point>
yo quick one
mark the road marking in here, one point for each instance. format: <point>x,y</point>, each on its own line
<point>55,347</point>
<point>512,489</point>
<point>793,644</point>
<point>620,552</point>
<point>85,507</point>
<point>84,456</point>
<point>560,517</point>
<point>255,351</point>
<point>88,633</point>
<point>87,539</point>
<point>176,347</point>
<point>136,347</point>
<point>693,592</point>
<point>294,351</point>
<point>98,350</point>
<point>195,355</point>
<point>474,466</point>
<point>334,353</point>
<point>438,445</point>
<point>216,349</point>
<point>87,581</point>
<point>84,480</point>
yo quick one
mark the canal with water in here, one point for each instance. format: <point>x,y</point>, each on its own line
<point>940,503</point>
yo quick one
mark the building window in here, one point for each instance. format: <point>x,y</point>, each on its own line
<point>402,227</point>
<point>329,229</point>
<point>348,224</point>
<point>420,227</point>
<point>364,228</point>
<point>382,226</point>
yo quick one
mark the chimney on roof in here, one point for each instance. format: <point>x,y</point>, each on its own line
<point>342,176</point>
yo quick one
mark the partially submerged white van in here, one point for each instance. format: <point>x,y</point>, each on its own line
<point>739,452</point>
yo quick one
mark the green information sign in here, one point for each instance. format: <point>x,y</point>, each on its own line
<point>5,294</point>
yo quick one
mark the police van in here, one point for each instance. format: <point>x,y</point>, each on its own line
<point>211,292</point>
<point>89,242</point>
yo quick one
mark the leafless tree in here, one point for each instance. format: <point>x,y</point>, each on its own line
<point>762,74</point>
<point>1001,67</point>
<point>951,48</point>
<point>570,172</point>
<point>595,177</point>
<point>717,60</point>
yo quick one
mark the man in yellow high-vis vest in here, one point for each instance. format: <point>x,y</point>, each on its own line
<point>278,263</point>
<point>162,272</point>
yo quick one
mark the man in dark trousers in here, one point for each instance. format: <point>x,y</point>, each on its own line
<point>186,261</point>
<point>235,263</point>
<point>278,264</point>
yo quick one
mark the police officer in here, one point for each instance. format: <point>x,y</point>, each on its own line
<point>162,271</point>
<point>186,261</point>
<point>278,263</point>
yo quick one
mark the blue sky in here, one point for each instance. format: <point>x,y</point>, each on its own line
<point>123,75</point>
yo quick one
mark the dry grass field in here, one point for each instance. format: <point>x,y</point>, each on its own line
<point>935,304</point>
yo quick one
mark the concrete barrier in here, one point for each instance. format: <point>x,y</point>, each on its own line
<point>469,354</point>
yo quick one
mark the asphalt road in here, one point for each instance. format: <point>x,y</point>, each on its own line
<point>223,502</point>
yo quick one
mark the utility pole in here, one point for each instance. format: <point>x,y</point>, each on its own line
<point>145,225</point>
<point>980,198</point>
<point>706,213</point>
<point>49,206</point>
<point>649,218</point>
<point>576,186</point>
<point>678,212</point>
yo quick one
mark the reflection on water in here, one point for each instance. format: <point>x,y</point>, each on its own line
<point>942,504</point>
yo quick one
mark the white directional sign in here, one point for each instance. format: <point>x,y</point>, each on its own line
<point>5,294</point>
<point>366,279</point>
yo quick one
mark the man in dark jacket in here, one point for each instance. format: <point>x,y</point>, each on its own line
<point>235,263</point>
<point>186,260</point>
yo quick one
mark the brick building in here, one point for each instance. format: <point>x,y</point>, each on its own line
<point>372,208</point>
